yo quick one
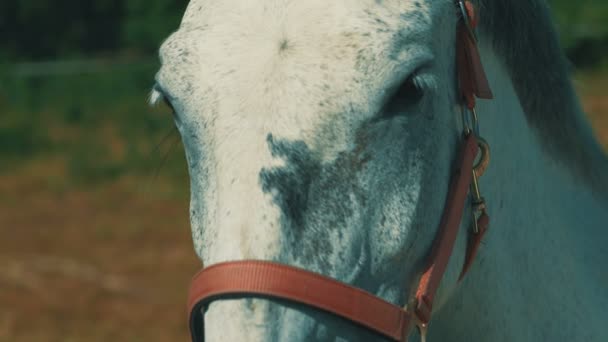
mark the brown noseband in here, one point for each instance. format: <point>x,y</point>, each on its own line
<point>250,278</point>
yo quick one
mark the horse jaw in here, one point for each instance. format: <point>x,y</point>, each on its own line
<point>291,159</point>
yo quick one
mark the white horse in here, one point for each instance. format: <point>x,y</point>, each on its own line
<point>321,134</point>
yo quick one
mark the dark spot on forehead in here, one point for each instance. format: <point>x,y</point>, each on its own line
<point>284,45</point>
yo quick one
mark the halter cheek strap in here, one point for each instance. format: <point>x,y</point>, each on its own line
<point>472,82</point>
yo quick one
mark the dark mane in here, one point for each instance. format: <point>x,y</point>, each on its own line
<point>524,36</point>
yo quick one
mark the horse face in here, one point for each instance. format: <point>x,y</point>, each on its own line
<point>318,134</point>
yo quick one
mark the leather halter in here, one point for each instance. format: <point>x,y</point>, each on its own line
<point>250,278</point>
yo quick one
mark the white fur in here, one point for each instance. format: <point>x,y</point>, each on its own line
<point>315,74</point>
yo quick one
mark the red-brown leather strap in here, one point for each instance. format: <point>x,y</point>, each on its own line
<point>267,279</point>
<point>473,82</point>
<point>472,78</point>
<point>474,242</point>
<point>448,229</point>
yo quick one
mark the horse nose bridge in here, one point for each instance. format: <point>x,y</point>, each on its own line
<point>272,183</point>
<point>241,220</point>
<point>247,319</point>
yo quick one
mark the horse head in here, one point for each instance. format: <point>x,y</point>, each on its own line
<point>321,135</point>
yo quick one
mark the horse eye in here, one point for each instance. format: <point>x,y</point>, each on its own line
<point>159,94</point>
<point>409,93</point>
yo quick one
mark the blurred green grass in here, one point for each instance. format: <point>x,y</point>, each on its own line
<point>580,19</point>
<point>99,125</point>
<point>583,29</point>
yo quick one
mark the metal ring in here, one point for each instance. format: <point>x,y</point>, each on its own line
<point>475,121</point>
<point>484,159</point>
<point>469,120</point>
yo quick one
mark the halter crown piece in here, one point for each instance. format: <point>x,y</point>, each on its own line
<point>251,278</point>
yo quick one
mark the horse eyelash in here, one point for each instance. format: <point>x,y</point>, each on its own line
<point>425,82</point>
<point>155,97</point>
<point>158,95</point>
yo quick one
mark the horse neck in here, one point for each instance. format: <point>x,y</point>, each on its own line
<point>539,265</point>
<point>523,178</point>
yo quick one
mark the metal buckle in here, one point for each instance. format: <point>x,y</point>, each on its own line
<point>478,203</point>
<point>422,327</point>
<point>484,160</point>
<point>471,126</point>
<point>469,120</point>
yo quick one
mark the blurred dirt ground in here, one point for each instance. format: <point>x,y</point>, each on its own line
<point>109,264</point>
<point>113,263</point>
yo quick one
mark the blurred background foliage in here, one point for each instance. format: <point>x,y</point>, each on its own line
<point>74,74</point>
<point>583,28</point>
<point>35,30</point>
<point>42,30</point>
<point>91,175</point>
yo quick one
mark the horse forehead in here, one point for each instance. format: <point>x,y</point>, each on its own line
<point>229,45</point>
<point>225,26</point>
<point>205,10</point>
